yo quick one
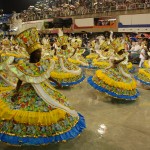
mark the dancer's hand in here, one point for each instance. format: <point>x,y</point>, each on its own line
<point>123,58</point>
<point>57,83</point>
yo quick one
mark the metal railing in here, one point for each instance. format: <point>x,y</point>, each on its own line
<point>66,12</point>
<point>121,7</point>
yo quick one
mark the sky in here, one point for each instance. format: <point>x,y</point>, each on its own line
<point>15,5</point>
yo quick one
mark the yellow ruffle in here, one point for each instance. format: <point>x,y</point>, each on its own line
<point>129,66</point>
<point>74,61</point>
<point>92,56</point>
<point>31,118</point>
<point>61,75</point>
<point>55,58</point>
<point>126,86</point>
<point>6,88</point>
<point>146,65</point>
<point>102,63</point>
<point>143,72</point>
<point>14,55</point>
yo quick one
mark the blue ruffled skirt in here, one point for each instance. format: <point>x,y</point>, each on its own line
<point>74,132</point>
<point>101,89</point>
<point>70,83</point>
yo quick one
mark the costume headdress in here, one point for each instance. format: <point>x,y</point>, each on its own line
<point>76,42</point>
<point>116,42</point>
<point>120,47</point>
<point>93,43</point>
<point>79,42</point>
<point>29,39</point>
<point>104,45</point>
<point>62,39</point>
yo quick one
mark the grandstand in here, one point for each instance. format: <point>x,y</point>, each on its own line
<point>102,15</point>
<point>45,9</point>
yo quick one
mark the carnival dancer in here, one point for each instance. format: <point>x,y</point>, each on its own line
<point>104,53</point>
<point>77,57</point>
<point>142,56</point>
<point>115,80</point>
<point>124,41</point>
<point>101,47</point>
<point>66,72</point>
<point>93,55</point>
<point>35,113</point>
<point>143,75</point>
<point>146,63</point>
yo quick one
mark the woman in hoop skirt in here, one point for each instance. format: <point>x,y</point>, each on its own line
<point>35,113</point>
<point>116,80</point>
<point>143,75</point>
<point>65,72</point>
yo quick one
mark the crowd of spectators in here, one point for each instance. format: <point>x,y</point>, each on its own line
<point>45,9</point>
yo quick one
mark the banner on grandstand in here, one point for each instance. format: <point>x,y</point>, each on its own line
<point>134,23</point>
<point>85,22</point>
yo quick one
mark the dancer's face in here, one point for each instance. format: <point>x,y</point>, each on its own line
<point>38,53</point>
<point>121,52</point>
<point>35,56</point>
<point>106,50</point>
<point>64,47</point>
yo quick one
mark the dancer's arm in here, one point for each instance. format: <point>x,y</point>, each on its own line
<point>18,85</point>
<point>16,93</point>
<point>73,53</point>
<point>53,80</point>
<point>119,61</point>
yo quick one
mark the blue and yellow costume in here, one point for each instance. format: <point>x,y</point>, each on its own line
<point>105,53</point>
<point>77,57</point>
<point>115,82</point>
<point>103,60</point>
<point>65,72</point>
<point>143,74</point>
<point>40,114</point>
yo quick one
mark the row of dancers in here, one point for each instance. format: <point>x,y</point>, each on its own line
<point>33,112</point>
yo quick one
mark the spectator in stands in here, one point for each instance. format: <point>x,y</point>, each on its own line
<point>47,8</point>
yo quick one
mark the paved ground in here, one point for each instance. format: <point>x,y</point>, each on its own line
<point>128,123</point>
